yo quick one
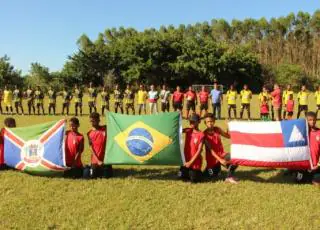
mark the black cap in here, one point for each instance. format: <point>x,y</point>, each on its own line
<point>194,117</point>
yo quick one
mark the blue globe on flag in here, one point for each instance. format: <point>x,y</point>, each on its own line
<point>140,142</point>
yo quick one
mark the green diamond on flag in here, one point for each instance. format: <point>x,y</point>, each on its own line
<point>144,140</point>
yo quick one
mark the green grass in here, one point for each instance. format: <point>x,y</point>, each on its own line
<point>152,198</point>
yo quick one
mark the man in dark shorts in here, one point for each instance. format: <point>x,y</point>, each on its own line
<point>177,100</point>
<point>78,95</point>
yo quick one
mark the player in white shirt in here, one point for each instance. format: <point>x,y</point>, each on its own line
<point>153,96</point>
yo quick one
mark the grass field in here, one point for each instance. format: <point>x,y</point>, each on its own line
<point>153,198</point>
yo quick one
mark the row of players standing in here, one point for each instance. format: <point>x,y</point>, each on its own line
<point>272,102</point>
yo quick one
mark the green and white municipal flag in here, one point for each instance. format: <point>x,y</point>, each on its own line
<point>144,140</point>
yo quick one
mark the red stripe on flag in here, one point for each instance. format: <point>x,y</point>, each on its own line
<point>51,166</point>
<point>289,165</point>
<point>51,131</point>
<point>14,138</point>
<point>20,165</point>
<point>272,140</point>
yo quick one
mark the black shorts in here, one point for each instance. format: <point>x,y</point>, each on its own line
<point>65,104</point>
<point>204,106</point>
<point>191,105</point>
<point>290,114</point>
<point>245,106</point>
<point>78,104</point>
<point>264,114</point>
<point>73,173</point>
<point>17,103</point>
<point>303,108</point>
<point>232,106</point>
<point>165,106</point>
<point>117,104</point>
<point>177,106</point>
<point>92,104</point>
<point>193,175</point>
<point>52,104</point>
<point>130,105</point>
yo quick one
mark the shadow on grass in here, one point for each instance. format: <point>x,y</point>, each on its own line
<point>145,173</point>
<point>277,177</point>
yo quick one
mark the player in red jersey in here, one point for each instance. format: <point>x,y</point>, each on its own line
<point>74,145</point>
<point>312,175</point>
<point>177,99</point>
<point>215,154</point>
<point>203,98</point>
<point>192,151</point>
<point>9,122</point>
<point>97,142</point>
<point>191,98</point>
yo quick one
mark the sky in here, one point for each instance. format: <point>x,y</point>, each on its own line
<point>46,31</point>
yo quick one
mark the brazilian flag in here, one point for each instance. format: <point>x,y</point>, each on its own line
<point>144,140</point>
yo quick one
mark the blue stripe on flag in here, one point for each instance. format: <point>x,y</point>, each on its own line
<point>12,153</point>
<point>53,148</point>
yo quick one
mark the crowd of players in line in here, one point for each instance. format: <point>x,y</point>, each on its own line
<point>274,105</point>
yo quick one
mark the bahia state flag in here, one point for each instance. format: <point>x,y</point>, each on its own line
<point>144,140</point>
<point>278,144</point>
<point>37,149</point>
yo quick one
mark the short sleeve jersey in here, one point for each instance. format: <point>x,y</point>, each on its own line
<point>193,141</point>
<point>74,144</point>
<point>97,139</point>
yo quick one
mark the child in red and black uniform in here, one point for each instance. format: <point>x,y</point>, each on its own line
<point>191,97</point>
<point>74,145</point>
<point>312,175</point>
<point>290,106</point>
<point>192,151</point>
<point>9,123</point>
<point>215,154</point>
<point>177,100</point>
<point>97,141</point>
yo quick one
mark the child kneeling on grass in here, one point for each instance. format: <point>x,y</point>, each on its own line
<point>314,143</point>
<point>74,145</point>
<point>9,122</point>
<point>192,150</point>
<point>97,141</point>
<point>215,154</point>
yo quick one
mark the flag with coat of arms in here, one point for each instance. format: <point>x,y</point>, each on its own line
<point>37,149</point>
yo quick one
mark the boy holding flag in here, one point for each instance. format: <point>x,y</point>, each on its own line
<point>215,154</point>
<point>74,145</point>
<point>97,142</point>
<point>194,140</point>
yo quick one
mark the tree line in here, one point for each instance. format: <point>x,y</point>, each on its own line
<point>253,51</point>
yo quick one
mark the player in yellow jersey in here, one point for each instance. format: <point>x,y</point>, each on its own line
<point>92,98</point>
<point>104,100</point>
<point>302,98</point>
<point>77,95</point>
<point>17,99</point>
<point>129,99</point>
<point>231,101</point>
<point>142,99</point>
<point>7,99</point>
<point>245,96</point>
<point>264,94</point>
<point>317,97</point>
<point>117,97</point>
<point>285,97</point>
<point>52,95</point>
